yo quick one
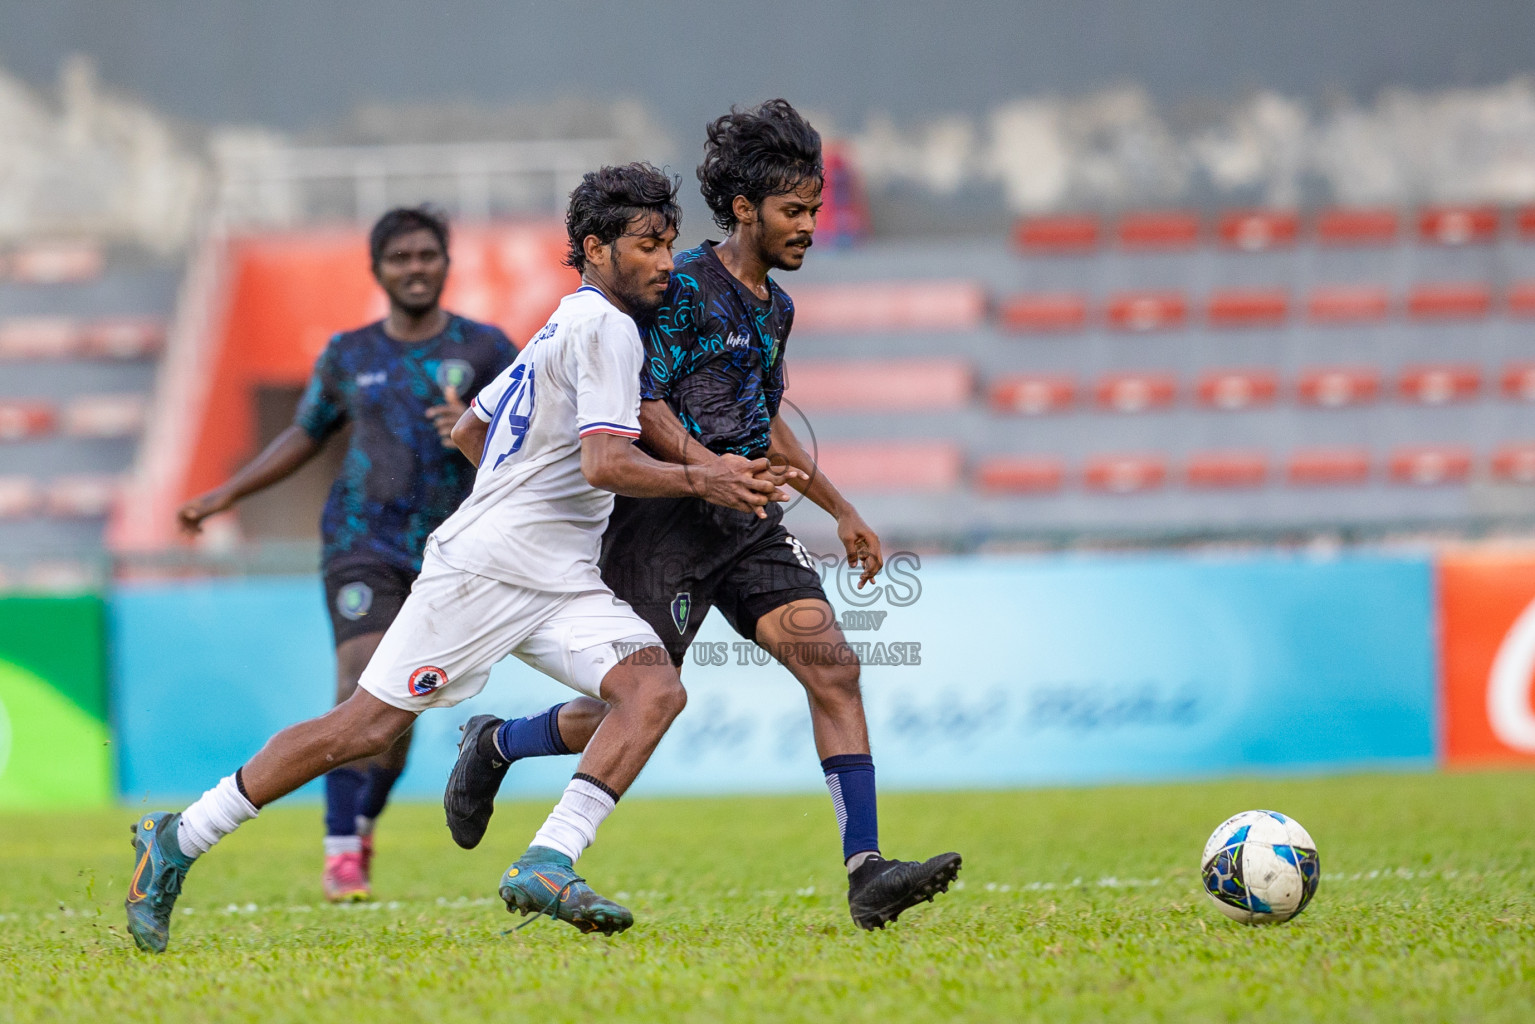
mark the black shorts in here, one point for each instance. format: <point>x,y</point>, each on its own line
<point>364,597</point>
<point>673,559</point>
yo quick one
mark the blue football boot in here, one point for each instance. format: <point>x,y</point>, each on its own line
<point>156,880</point>
<point>544,881</point>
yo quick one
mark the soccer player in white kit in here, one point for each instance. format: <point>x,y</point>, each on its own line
<point>514,571</point>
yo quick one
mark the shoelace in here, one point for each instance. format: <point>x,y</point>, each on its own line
<point>554,908</point>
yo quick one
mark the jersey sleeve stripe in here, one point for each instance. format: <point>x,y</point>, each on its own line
<point>484,417</point>
<point>620,429</point>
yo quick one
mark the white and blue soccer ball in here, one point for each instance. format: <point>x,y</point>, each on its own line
<point>1260,867</point>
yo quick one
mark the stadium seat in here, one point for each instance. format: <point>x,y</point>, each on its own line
<point>1439,384</point>
<point>1466,301</point>
<point>1063,234</point>
<point>82,497</point>
<point>1524,223</point>
<point>1226,469</point>
<point>1062,311</point>
<point>1254,230</point>
<point>1346,226</point>
<point>1458,225</point>
<point>1521,299</point>
<point>1148,311</point>
<point>1519,382</point>
<point>1334,387</point>
<point>56,262</point>
<point>1170,229</point>
<point>916,385</point>
<point>39,338</point>
<point>891,466</point>
<point>123,338</point>
<point>1247,307</point>
<point>1348,304</point>
<point>1033,394</point>
<point>1136,392</point>
<point>21,420</point>
<point>1234,390</point>
<point>105,416</point>
<point>1428,465</point>
<point>19,497</point>
<point>1323,467</point>
<point>1124,474</point>
<point>1515,463</point>
<point>890,306</point>
<point>1020,475</point>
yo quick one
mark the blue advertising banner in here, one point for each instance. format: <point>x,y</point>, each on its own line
<point>978,671</point>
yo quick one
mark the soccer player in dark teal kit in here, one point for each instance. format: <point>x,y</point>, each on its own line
<point>712,385</point>
<point>402,383</point>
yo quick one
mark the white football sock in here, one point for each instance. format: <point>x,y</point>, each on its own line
<point>216,813</point>
<point>365,825</point>
<point>572,825</point>
<point>342,844</point>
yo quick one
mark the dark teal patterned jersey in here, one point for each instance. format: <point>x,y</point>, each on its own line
<point>397,481</point>
<point>714,353</point>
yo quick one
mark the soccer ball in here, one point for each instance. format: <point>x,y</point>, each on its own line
<point>1260,867</point>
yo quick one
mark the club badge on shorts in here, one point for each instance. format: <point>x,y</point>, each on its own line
<point>426,679</point>
<point>354,600</point>
<point>682,604</point>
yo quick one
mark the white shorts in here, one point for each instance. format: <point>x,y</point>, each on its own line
<point>455,625</point>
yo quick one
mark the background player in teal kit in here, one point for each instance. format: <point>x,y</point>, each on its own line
<point>402,383</point>
<point>712,385</point>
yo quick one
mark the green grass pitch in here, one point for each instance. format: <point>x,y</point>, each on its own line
<point>1076,905</point>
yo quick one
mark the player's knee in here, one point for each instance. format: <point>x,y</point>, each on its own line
<point>835,682</point>
<point>658,695</point>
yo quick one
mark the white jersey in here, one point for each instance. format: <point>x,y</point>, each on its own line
<point>532,518</point>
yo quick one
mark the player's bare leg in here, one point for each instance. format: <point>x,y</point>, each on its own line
<point>804,637</point>
<point>644,695</point>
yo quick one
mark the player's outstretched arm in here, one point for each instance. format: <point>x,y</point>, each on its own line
<point>278,460</point>
<point>612,462</point>
<point>860,540</point>
<point>663,435</point>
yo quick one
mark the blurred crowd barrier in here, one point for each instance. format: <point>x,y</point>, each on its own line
<point>978,671</point>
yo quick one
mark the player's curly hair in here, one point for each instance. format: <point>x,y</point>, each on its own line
<point>608,199</point>
<point>769,150</point>
<point>404,219</point>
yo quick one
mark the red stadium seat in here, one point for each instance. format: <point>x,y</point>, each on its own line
<point>890,306</point>
<point>82,497</point>
<point>891,466</point>
<point>1020,474</point>
<point>1171,229</point>
<point>1233,390</point>
<point>1226,469</point>
<point>1519,382</point>
<point>1515,463</point>
<point>124,338</point>
<point>1125,474</point>
<point>1344,226</point>
<point>56,262</point>
<point>105,416</point>
<point>1521,299</point>
<point>1426,466</point>
<point>39,338</point>
<point>1458,225</point>
<point>1247,307</point>
<point>20,420</point>
<point>19,497</point>
<point>1321,467</point>
<point>1440,384</point>
<point>1148,311</point>
<point>1334,387</point>
<point>1033,394</point>
<point>1046,312</point>
<point>1064,234</point>
<point>1254,230</point>
<point>1348,304</point>
<point>1136,392</point>
<point>1524,222</point>
<point>1449,301</point>
<point>916,385</point>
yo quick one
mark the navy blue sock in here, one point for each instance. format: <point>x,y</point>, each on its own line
<point>342,787</point>
<point>374,795</point>
<point>535,736</point>
<point>850,777</point>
